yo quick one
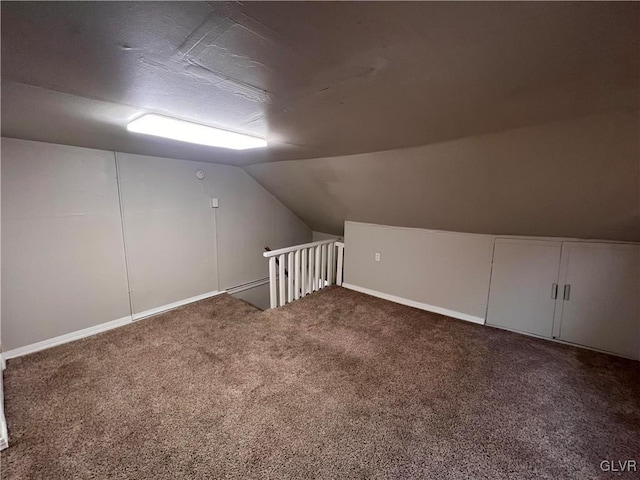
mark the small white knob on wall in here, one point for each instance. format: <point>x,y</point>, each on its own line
<point>199,174</point>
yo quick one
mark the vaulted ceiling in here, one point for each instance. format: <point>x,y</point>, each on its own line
<point>324,81</point>
<point>317,79</point>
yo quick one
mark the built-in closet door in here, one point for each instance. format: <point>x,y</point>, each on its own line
<point>524,284</point>
<point>599,298</point>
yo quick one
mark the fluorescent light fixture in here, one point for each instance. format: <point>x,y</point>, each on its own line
<point>167,127</point>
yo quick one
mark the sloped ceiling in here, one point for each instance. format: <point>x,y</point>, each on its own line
<point>317,79</point>
<point>577,178</point>
<point>526,111</point>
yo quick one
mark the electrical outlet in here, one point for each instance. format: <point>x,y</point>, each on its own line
<point>377,257</point>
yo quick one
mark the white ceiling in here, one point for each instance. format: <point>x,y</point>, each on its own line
<point>317,79</point>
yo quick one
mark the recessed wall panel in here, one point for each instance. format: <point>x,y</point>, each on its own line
<point>63,265</point>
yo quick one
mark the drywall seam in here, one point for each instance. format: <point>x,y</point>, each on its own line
<point>414,304</point>
<point>493,254</point>
<point>124,236</point>
<point>66,338</point>
<point>179,303</point>
<point>215,227</point>
<point>210,196</point>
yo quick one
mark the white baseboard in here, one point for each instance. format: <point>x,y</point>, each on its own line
<point>413,303</point>
<point>557,340</point>
<point>103,327</point>
<point>179,303</point>
<point>247,286</point>
<point>4,434</point>
<point>69,337</point>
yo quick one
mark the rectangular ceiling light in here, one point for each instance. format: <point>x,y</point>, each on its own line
<point>167,127</point>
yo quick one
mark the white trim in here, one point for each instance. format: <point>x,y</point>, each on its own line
<point>3,361</point>
<point>247,286</point>
<point>68,337</point>
<point>179,303</point>
<point>562,342</point>
<point>414,304</point>
<point>280,251</point>
<point>103,327</point>
<point>4,435</point>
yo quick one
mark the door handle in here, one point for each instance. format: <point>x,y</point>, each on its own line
<point>554,290</point>
<point>567,292</point>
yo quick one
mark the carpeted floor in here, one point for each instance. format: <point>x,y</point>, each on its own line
<point>337,385</point>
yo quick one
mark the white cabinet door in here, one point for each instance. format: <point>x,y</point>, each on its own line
<point>524,279</point>
<point>601,307</point>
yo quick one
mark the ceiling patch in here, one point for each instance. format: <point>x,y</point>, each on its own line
<point>235,86</point>
<point>207,32</point>
<point>216,79</point>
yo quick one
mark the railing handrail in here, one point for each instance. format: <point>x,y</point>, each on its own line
<point>303,269</point>
<point>280,251</point>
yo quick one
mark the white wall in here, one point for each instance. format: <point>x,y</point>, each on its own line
<point>178,246</point>
<point>446,270</point>
<point>63,266</point>
<point>249,219</point>
<point>170,231</point>
<point>63,239</point>
<point>317,236</point>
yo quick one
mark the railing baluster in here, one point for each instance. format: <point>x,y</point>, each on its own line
<point>317,270</point>
<point>296,293</point>
<point>330,262</point>
<point>273,299</point>
<point>299,270</point>
<point>335,267</point>
<point>311,263</point>
<point>339,263</point>
<point>290,278</point>
<point>283,298</point>
<point>323,266</point>
<point>311,270</point>
<point>303,271</point>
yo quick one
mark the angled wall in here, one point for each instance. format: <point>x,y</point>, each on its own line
<point>68,264</point>
<point>63,265</point>
<point>178,246</point>
<point>573,178</point>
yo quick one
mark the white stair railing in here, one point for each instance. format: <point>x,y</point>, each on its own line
<point>302,269</point>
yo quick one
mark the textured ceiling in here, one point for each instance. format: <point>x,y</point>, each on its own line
<point>317,79</point>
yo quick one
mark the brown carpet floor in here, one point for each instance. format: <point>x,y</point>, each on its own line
<point>337,385</point>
